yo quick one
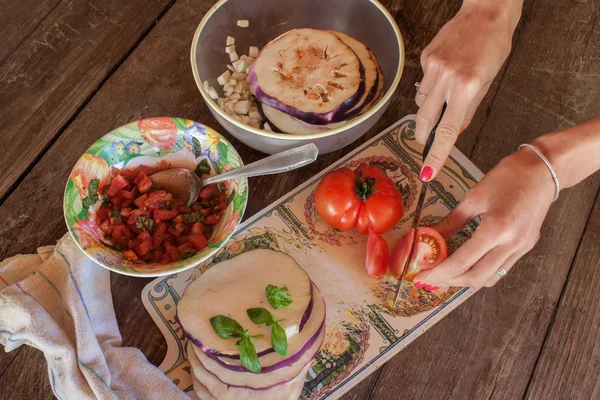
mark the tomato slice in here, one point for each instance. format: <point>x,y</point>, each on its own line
<point>400,253</point>
<point>378,255</point>
<point>429,250</point>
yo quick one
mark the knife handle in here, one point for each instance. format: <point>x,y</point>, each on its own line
<point>431,137</point>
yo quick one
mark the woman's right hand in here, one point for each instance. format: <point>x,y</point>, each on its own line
<point>459,66</point>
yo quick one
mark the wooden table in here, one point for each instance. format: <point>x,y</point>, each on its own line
<point>72,70</point>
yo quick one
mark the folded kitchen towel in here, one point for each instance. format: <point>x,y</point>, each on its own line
<point>59,301</point>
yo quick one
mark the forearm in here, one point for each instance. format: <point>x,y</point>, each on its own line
<point>574,152</point>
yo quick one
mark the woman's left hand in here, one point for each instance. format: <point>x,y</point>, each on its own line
<point>512,201</point>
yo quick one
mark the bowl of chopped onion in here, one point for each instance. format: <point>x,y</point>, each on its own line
<point>278,76</point>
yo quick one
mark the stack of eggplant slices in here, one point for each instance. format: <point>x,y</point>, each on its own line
<point>305,81</point>
<point>254,322</point>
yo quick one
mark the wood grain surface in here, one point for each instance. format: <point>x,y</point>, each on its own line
<point>535,334</point>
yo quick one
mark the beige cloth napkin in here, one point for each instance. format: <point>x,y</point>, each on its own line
<point>59,301</point>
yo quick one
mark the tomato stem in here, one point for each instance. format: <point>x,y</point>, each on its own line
<point>364,188</point>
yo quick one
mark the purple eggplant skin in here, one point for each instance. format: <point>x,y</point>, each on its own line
<point>336,115</point>
<point>353,113</point>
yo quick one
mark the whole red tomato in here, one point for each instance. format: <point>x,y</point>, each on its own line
<point>364,198</point>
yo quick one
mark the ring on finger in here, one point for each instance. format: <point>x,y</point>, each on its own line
<point>418,86</point>
<point>501,272</point>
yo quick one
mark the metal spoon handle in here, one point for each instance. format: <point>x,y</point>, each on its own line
<point>280,162</point>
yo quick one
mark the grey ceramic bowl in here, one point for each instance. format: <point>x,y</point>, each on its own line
<point>365,20</point>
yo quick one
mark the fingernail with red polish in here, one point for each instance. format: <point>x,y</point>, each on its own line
<point>420,285</point>
<point>432,287</point>
<point>426,173</point>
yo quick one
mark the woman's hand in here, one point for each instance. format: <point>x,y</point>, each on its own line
<point>459,66</point>
<point>512,201</point>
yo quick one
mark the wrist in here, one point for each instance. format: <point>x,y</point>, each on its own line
<point>557,154</point>
<point>503,12</point>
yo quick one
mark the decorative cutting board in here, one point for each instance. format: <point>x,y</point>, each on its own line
<point>363,332</point>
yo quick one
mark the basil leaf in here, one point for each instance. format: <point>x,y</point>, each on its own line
<point>93,188</point>
<point>192,217</point>
<point>221,188</point>
<point>204,204</point>
<point>259,316</point>
<point>277,296</point>
<point>227,328</point>
<point>202,168</point>
<point>214,202</point>
<point>279,339</point>
<point>144,223</point>
<point>89,201</point>
<point>248,355</point>
<point>115,214</point>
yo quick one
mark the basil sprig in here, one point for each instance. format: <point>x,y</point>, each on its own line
<point>277,296</point>
<point>92,197</point>
<point>228,328</point>
<point>260,316</point>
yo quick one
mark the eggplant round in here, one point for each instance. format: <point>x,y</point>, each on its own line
<point>367,59</point>
<point>235,285</point>
<point>310,74</point>
<point>290,390</point>
<point>260,381</point>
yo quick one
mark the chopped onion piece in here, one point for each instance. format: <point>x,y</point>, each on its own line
<point>236,117</point>
<point>243,23</point>
<point>222,80</point>
<point>239,76</point>
<point>229,67</point>
<point>206,85</point>
<point>267,127</point>
<point>255,123</point>
<point>247,60</point>
<point>213,93</point>
<point>239,88</point>
<point>230,40</point>
<point>239,66</point>
<point>229,108</point>
<point>229,92</point>
<point>235,96</point>
<point>246,96</point>
<point>245,119</point>
<point>253,113</point>
<point>230,49</point>
<point>253,51</point>
<point>242,107</point>
<point>232,82</point>
<point>233,57</point>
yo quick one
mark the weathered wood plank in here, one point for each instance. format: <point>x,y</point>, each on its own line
<point>487,346</point>
<point>569,364</point>
<point>19,19</point>
<point>28,379</point>
<point>46,80</point>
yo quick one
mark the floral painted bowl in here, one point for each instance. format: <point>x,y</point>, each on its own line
<point>154,142</point>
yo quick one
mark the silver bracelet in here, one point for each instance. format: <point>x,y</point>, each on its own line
<point>545,160</point>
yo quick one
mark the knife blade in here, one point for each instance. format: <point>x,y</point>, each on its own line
<point>418,211</point>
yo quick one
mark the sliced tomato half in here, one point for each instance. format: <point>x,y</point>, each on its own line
<point>429,250</point>
<point>378,255</point>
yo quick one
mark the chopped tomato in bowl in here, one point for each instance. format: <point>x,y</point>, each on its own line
<point>150,226</point>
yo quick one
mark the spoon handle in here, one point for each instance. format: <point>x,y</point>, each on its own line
<point>280,162</point>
